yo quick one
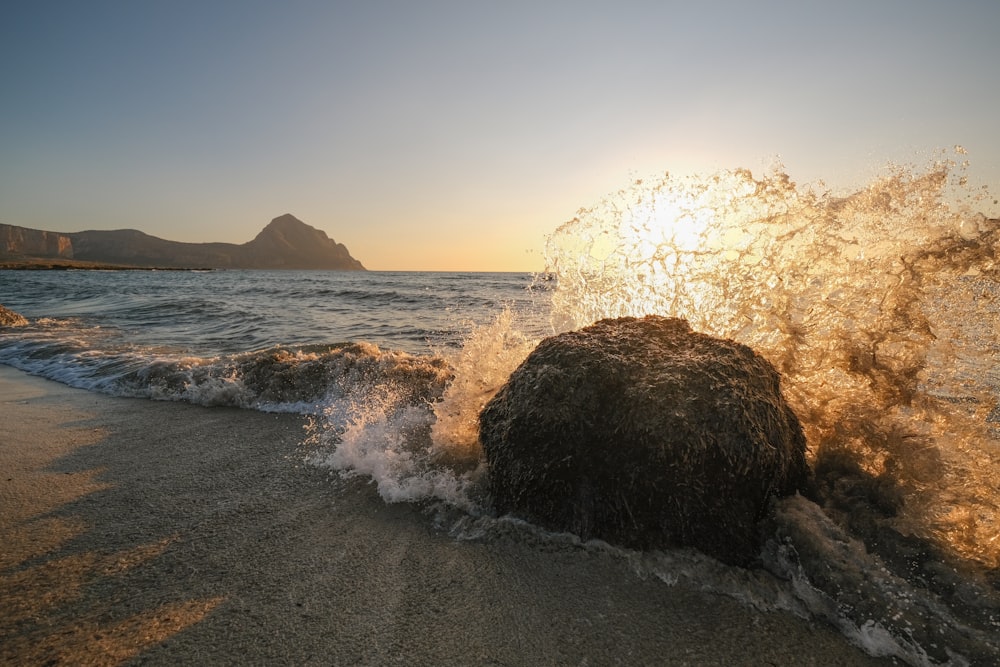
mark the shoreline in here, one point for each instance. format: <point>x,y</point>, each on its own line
<point>172,534</point>
<point>40,264</point>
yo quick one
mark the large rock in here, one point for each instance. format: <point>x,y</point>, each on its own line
<point>645,434</point>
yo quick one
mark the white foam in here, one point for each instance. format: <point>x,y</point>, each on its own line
<point>424,451</point>
<point>388,442</point>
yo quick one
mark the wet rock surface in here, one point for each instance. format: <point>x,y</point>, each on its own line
<point>645,434</point>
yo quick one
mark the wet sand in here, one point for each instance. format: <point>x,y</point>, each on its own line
<point>165,534</point>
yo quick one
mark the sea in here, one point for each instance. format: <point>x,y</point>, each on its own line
<point>880,308</point>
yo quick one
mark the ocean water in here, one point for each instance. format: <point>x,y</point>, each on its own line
<point>879,307</point>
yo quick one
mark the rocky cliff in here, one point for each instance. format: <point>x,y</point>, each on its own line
<point>21,241</point>
<point>286,243</point>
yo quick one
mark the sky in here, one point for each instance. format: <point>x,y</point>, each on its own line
<point>458,135</point>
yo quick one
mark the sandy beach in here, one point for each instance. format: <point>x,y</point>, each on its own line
<point>140,532</point>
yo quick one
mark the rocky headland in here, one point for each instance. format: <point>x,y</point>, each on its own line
<point>285,243</point>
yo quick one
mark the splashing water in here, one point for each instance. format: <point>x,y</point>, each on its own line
<point>488,356</point>
<point>424,444</point>
<point>879,309</point>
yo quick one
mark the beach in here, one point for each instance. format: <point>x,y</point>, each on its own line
<point>143,532</point>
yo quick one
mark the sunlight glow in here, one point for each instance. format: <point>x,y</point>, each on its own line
<point>856,300</point>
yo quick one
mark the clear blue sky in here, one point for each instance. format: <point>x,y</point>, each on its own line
<point>457,135</point>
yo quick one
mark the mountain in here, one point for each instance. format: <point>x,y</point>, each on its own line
<point>285,243</point>
<point>288,243</point>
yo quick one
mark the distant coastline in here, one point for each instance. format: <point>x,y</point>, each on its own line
<point>285,243</point>
<point>36,264</point>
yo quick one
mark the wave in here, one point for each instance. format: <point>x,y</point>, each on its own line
<point>429,450</point>
<point>306,379</point>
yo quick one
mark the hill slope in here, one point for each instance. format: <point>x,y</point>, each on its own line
<point>285,243</point>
